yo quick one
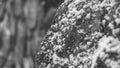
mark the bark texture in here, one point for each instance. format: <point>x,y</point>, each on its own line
<point>85,34</point>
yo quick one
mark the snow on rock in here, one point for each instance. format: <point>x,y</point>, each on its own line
<point>85,34</point>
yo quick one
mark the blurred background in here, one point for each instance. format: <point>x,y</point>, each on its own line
<point>23,24</point>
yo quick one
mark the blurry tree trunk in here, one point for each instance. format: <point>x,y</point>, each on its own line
<point>20,30</point>
<point>21,42</point>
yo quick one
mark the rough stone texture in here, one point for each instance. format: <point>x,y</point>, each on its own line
<point>85,34</point>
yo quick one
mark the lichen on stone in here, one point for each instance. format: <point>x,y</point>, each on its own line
<point>85,34</point>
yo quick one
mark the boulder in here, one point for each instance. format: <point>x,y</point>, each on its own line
<point>84,34</point>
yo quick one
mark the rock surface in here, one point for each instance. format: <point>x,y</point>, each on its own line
<point>85,34</point>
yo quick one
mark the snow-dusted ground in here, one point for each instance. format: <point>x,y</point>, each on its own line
<point>86,34</point>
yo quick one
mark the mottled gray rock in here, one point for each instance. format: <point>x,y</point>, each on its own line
<point>85,34</point>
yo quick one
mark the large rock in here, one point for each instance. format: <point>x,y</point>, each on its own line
<point>85,34</point>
